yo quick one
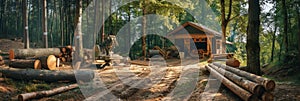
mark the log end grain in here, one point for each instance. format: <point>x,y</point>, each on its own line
<point>267,97</point>
<point>1,58</point>
<point>233,62</point>
<point>37,64</point>
<point>1,61</point>
<point>51,62</point>
<point>269,85</point>
<point>11,54</point>
<point>259,90</point>
<point>252,98</point>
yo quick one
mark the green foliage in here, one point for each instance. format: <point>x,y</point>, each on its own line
<point>240,54</point>
<point>36,87</point>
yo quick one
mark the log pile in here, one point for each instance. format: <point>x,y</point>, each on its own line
<point>66,54</point>
<point>42,58</point>
<point>1,61</point>
<point>247,86</point>
<point>63,53</point>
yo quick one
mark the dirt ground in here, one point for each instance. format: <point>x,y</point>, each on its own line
<point>9,89</point>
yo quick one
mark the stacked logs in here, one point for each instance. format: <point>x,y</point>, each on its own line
<point>43,58</point>
<point>247,86</point>
<point>1,61</point>
<point>66,54</point>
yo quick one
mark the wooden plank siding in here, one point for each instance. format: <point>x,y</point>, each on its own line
<point>190,31</point>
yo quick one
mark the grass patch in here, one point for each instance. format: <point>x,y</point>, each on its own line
<point>36,87</point>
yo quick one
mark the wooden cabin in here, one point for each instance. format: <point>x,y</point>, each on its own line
<point>196,38</point>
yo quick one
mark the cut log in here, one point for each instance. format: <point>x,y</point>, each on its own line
<point>1,61</point>
<point>268,84</point>
<point>33,64</point>
<point>41,94</point>
<point>233,62</point>
<point>32,53</point>
<point>47,75</point>
<point>242,93</point>
<point>267,96</point>
<point>1,58</point>
<point>254,88</point>
<point>49,62</point>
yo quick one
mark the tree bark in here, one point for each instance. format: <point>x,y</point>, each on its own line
<point>103,21</point>
<point>33,53</point>
<point>285,28</point>
<point>49,62</point>
<point>252,45</point>
<point>44,18</point>
<point>96,18</point>
<point>242,93</point>
<point>253,87</point>
<point>273,43</point>
<point>47,75</point>
<point>41,94</point>
<point>225,21</point>
<point>33,64</point>
<point>78,32</point>
<point>25,23</point>
<point>298,16</point>
<point>144,29</point>
<point>268,84</point>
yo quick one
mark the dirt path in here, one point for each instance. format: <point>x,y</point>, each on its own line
<point>123,83</point>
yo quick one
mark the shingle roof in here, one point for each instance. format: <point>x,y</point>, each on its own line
<point>197,26</point>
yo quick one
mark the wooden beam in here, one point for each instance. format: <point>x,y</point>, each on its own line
<point>185,36</point>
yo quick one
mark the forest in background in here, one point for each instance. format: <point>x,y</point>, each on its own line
<point>278,34</point>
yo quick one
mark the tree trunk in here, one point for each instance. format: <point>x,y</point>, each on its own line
<point>41,94</point>
<point>61,22</point>
<point>268,84</point>
<point>273,43</point>
<point>25,23</point>
<point>252,46</point>
<point>49,62</point>
<point>253,87</point>
<point>285,28</point>
<point>242,93</point>
<point>31,53</point>
<point>44,18</point>
<point>129,27</point>
<point>298,16</point>
<point>225,22</point>
<point>47,75</point>
<point>78,32</point>
<point>33,64</point>
<point>103,21</point>
<point>144,28</point>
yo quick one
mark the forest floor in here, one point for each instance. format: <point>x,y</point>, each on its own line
<point>287,88</point>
